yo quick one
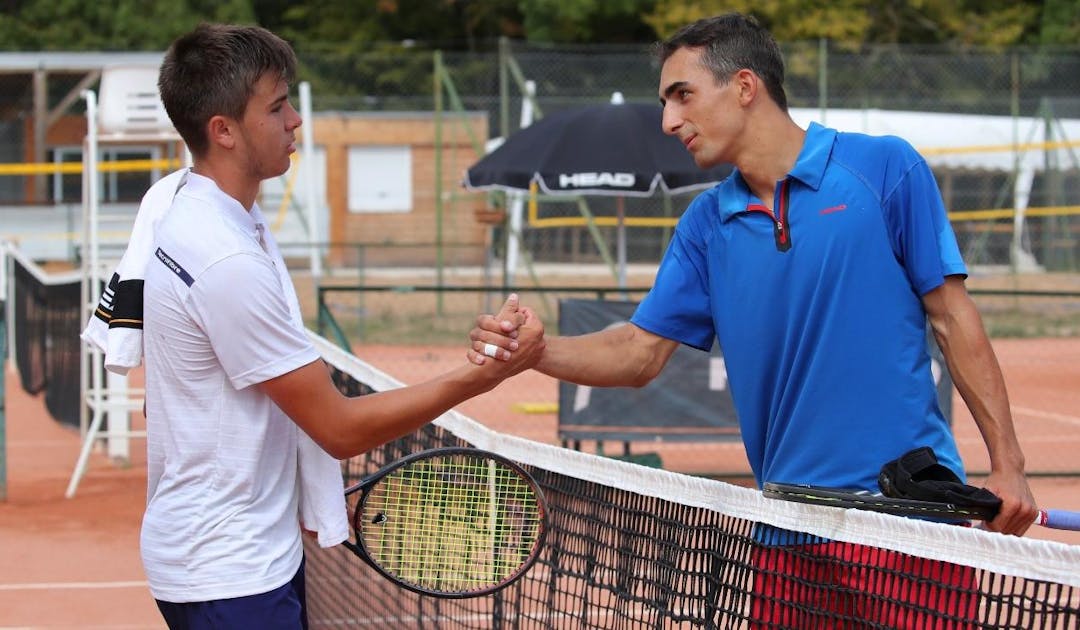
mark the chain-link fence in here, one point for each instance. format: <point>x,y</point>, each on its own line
<point>1019,84</point>
<point>405,328</point>
<point>1015,84</point>
<point>411,331</point>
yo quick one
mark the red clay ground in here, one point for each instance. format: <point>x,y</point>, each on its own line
<point>68,563</point>
<point>74,563</point>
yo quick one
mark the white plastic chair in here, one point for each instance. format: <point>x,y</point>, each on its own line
<point>129,103</point>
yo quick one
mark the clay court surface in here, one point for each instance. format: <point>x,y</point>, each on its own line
<point>74,563</point>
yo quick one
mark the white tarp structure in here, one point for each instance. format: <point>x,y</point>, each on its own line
<point>1021,145</point>
<point>966,141</point>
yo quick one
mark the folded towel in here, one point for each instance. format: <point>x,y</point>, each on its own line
<point>116,328</point>
<point>322,493</point>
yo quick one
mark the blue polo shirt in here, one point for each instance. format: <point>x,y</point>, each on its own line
<point>817,307</point>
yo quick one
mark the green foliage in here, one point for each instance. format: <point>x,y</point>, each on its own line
<point>788,20</point>
<point>118,25</point>
<point>1060,22</point>
<point>988,23</point>
<point>358,24</point>
<point>571,21</point>
<point>993,23</point>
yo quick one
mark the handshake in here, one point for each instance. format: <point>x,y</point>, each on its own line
<point>514,338</point>
<point>513,341</point>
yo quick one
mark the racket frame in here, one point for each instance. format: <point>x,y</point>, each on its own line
<point>844,498</point>
<point>359,549</point>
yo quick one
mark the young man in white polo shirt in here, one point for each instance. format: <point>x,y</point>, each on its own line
<point>230,372</point>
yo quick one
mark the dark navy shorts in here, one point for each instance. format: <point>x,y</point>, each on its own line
<point>284,608</point>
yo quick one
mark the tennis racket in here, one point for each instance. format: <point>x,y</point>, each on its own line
<point>836,497</point>
<point>450,522</point>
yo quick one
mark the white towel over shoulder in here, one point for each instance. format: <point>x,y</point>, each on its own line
<point>116,326</point>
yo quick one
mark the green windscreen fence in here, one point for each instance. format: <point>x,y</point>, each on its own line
<point>46,319</point>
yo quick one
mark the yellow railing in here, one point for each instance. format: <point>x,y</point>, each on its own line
<point>957,216</point>
<point>74,168</point>
<point>535,220</point>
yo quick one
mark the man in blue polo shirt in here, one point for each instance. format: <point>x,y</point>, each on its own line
<point>816,265</point>
<point>813,297</point>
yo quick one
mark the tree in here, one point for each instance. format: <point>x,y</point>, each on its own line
<point>788,20</point>
<point>986,23</point>
<point>1060,22</point>
<point>119,25</point>
<point>595,21</point>
<point>994,23</point>
<point>362,24</point>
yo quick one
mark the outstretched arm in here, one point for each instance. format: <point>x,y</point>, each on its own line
<point>621,356</point>
<point>624,356</point>
<point>975,371</point>
<point>345,426</point>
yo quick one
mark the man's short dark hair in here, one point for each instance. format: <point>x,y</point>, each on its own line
<point>730,43</point>
<point>213,70</point>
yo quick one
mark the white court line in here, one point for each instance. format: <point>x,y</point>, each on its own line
<point>44,586</point>
<point>1049,415</point>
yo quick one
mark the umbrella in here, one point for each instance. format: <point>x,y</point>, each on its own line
<point>614,149</point>
<point>609,149</point>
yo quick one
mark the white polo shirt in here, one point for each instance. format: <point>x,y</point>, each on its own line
<point>220,316</point>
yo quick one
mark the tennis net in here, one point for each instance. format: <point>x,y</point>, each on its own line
<point>44,328</point>
<point>630,547</point>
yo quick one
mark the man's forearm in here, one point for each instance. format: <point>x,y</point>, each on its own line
<point>976,374</point>
<point>978,379</point>
<point>625,356</point>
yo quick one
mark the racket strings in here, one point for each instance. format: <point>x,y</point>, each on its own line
<point>454,523</point>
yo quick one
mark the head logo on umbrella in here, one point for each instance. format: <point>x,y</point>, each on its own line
<point>610,149</point>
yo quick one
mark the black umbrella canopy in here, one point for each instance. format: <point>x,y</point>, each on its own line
<point>611,149</point>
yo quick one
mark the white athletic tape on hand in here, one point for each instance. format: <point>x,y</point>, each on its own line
<point>490,349</point>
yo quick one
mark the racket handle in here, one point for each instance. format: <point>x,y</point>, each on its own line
<point>1059,519</point>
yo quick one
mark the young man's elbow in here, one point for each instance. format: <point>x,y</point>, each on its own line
<point>336,446</point>
<point>338,451</point>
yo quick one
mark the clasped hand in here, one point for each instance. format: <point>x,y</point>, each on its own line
<point>515,335</point>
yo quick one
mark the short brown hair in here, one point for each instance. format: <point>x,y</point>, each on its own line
<point>731,42</point>
<point>213,71</point>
